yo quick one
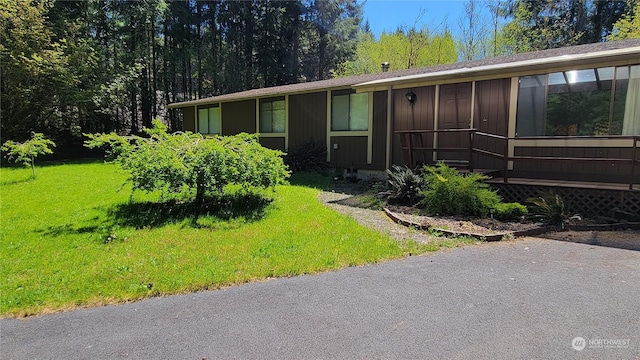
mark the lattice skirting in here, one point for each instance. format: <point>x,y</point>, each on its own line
<point>586,202</point>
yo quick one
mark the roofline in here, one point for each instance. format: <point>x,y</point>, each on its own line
<point>424,77</point>
<point>212,99</point>
<point>532,63</point>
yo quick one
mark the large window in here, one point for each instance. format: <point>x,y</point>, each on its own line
<point>602,101</point>
<point>272,115</point>
<point>350,112</point>
<point>209,121</point>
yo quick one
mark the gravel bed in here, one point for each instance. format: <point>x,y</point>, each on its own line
<point>374,219</point>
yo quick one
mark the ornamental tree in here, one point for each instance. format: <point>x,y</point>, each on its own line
<point>28,151</point>
<point>190,165</point>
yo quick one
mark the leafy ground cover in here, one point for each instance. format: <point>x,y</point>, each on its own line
<point>74,237</point>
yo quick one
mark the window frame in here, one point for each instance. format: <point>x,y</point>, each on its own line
<point>572,83</point>
<point>208,108</point>
<point>260,111</point>
<point>350,112</point>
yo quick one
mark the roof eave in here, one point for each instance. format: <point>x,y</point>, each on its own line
<point>533,64</point>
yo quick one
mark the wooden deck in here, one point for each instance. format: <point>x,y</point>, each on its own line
<point>565,184</point>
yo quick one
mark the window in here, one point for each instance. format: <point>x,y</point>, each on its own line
<point>587,102</point>
<point>350,112</point>
<point>209,120</point>
<point>272,116</point>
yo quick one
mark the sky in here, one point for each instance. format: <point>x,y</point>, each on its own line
<point>386,15</point>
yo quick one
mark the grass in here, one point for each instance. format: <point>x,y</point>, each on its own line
<point>73,237</point>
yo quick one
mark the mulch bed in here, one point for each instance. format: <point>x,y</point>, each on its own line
<point>481,228</point>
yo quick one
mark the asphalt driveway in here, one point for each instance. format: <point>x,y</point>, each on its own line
<point>523,299</point>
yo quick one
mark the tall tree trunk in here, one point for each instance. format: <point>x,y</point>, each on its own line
<point>154,68</point>
<point>199,47</point>
<point>322,48</point>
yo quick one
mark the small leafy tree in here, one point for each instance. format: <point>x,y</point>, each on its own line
<point>190,165</point>
<point>28,151</point>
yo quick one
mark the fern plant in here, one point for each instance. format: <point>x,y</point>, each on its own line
<point>549,208</point>
<point>310,157</point>
<point>453,193</point>
<point>406,185</point>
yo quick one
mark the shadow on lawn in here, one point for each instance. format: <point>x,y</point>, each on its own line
<point>25,179</point>
<point>250,207</point>
<point>247,207</point>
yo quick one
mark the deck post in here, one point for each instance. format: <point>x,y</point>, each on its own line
<point>410,143</point>
<point>471,150</point>
<point>506,160</point>
<point>633,162</point>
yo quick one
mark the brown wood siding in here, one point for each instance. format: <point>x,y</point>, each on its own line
<point>238,116</point>
<point>379,131</point>
<point>454,112</point>
<point>419,116</point>
<point>491,115</point>
<point>307,118</point>
<point>351,152</point>
<point>188,119</point>
<point>573,170</point>
<point>276,143</point>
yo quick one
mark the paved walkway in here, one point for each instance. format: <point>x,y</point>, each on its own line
<point>523,299</point>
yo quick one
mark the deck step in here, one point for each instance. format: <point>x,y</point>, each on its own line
<point>455,163</point>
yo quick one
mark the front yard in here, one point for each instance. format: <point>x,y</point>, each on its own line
<point>74,238</point>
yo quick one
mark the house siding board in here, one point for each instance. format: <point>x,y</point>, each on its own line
<point>189,119</point>
<point>276,143</point>
<point>351,152</point>
<point>307,118</point>
<point>378,156</point>
<point>238,116</point>
<point>419,116</point>
<point>573,170</point>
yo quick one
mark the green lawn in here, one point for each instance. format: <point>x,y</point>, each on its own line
<point>73,238</point>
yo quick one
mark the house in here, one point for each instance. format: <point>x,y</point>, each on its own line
<point>567,117</point>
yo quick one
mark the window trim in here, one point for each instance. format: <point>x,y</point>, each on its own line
<point>207,107</point>
<point>595,69</point>
<point>343,133</point>
<point>284,134</point>
<point>259,103</point>
<point>332,94</point>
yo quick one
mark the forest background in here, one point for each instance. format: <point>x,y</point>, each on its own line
<point>74,67</point>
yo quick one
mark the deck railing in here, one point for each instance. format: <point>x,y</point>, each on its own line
<point>408,145</point>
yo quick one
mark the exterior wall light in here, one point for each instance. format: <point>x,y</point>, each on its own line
<point>411,96</point>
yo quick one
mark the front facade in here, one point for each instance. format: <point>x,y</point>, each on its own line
<point>529,115</point>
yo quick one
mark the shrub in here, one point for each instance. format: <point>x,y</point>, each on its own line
<point>452,193</point>
<point>405,185</point>
<point>190,165</point>
<point>28,151</point>
<point>509,211</point>
<point>549,208</point>
<point>311,157</point>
